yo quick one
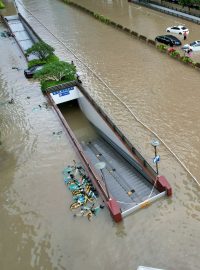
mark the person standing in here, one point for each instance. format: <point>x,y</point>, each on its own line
<point>190,53</point>
<point>184,35</point>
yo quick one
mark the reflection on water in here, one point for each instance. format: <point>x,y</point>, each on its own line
<point>37,228</point>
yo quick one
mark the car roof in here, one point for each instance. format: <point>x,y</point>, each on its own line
<point>195,42</point>
<point>172,37</point>
<point>179,26</point>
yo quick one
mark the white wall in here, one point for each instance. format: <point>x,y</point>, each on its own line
<point>97,121</point>
<point>65,95</point>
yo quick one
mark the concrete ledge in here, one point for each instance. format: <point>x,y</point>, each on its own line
<point>163,185</point>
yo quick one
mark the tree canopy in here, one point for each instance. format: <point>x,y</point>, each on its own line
<point>188,3</point>
<point>40,50</point>
<point>56,71</point>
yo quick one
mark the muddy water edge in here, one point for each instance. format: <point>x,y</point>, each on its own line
<point>37,229</point>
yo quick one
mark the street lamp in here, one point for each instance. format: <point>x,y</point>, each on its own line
<point>156,159</point>
<point>100,166</point>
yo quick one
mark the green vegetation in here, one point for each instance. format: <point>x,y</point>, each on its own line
<point>162,47</point>
<point>2,5</point>
<point>55,73</point>
<point>49,59</point>
<point>189,3</point>
<point>101,18</point>
<point>197,65</point>
<point>174,54</point>
<point>187,59</point>
<point>40,50</point>
<point>47,84</point>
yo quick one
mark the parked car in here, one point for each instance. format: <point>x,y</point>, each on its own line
<point>29,72</point>
<point>179,29</point>
<point>194,46</point>
<point>168,40</point>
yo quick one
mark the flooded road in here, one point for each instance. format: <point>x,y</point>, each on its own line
<point>37,229</point>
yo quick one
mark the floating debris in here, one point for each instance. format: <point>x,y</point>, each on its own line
<point>46,105</point>
<point>16,68</point>
<point>11,101</point>
<point>57,133</point>
<point>5,34</point>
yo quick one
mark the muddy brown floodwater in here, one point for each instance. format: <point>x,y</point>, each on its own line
<point>37,229</point>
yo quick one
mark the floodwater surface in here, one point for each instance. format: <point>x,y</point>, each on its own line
<point>38,231</point>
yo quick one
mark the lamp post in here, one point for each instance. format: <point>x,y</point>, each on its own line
<point>156,143</point>
<point>100,166</point>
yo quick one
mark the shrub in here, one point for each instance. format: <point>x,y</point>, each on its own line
<point>127,30</point>
<point>197,65</point>
<point>186,59</point>
<point>120,26</point>
<point>35,62</point>
<point>162,47</point>
<point>2,5</point>
<point>101,18</point>
<point>152,42</point>
<point>174,54</point>
<point>170,50</point>
<point>134,33</point>
<point>142,37</point>
<point>113,23</point>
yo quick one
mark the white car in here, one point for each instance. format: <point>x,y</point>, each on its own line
<point>194,46</point>
<point>179,29</point>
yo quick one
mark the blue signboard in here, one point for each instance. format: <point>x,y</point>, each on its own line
<point>64,92</point>
<point>156,159</point>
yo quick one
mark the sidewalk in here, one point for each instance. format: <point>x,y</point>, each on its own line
<point>168,11</point>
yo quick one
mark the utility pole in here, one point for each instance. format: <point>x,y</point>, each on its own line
<point>156,159</point>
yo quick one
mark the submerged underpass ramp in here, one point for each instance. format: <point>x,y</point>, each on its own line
<point>130,188</point>
<point>127,182</point>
